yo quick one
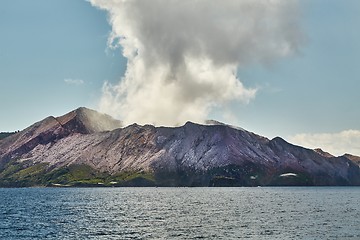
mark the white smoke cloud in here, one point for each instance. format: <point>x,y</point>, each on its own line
<point>335,143</point>
<point>183,55</point>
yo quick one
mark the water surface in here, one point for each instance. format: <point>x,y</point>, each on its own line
<point>180,213</point>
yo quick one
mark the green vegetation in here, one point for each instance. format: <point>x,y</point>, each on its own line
<point>10,168</point>
<point>84,175</point>
<point>22,174</point>
<point>27,174</point>
<point>31,172</point>
<point>129,176</point>
<point>75,174</point>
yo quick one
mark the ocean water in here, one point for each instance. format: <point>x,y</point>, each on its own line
<point>180,213</point>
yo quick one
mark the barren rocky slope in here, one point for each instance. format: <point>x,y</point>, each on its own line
<point>85,148</point>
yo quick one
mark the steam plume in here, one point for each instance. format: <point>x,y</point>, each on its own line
<point>183,55</point>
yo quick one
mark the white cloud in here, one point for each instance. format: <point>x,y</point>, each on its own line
<point>76,82</point>
<point>335,143</point>
<point>183,55</point>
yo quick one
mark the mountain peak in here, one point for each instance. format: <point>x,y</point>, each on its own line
<point>213,122</point>
<point>85,120</point>
<point>217,123</point>
<point>323,153</point>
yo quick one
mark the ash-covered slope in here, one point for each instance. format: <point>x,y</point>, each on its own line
<point>79,149</point>
<point>51,129</point>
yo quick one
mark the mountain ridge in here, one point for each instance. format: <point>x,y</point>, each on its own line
<point>83,148</point>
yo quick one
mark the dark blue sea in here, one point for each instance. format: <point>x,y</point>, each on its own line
<point>180,213</point>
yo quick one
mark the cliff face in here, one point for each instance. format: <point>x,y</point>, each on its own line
<point>84,147</point>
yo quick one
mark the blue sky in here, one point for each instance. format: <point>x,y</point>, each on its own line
<point>43,43</point>
<point>54,58</point>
